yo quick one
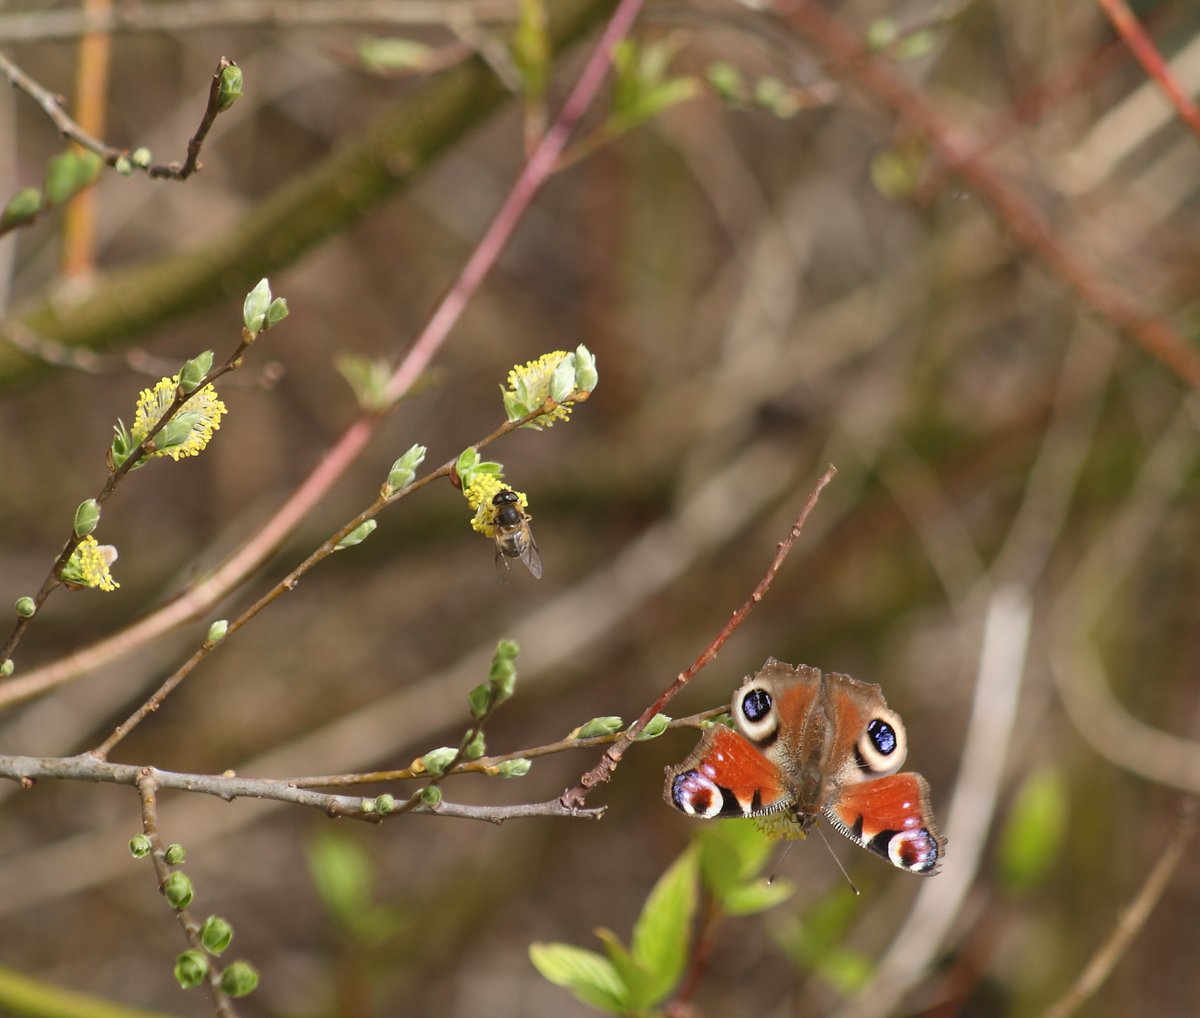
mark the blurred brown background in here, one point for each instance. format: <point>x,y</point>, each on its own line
<point>758,309</point>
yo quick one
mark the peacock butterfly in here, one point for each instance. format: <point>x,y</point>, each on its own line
<point>809,744</point>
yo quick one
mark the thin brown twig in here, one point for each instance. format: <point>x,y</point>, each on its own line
<point>116,475</point>
<point>848,58</point>
<point>147,785</point>
<point>350,444</point>
<point>52,106</point>
<point>1132,919</point>
<point>28,770</point>
<point>602,772</point>
<point>1147,54</point>
<point>330,545</point>
<point>489,764</point>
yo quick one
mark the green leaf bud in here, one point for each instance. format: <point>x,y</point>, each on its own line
<point>174,854</point>
<point>68,173</point>
<point>507,649</point>
<point>385,804</point>
<point>123,166</point>
<point>254,308</point>
<point>22,208</point>
<point>215,934</point>
<point>562,382</point>
<point>481,699</point>
<point>178,890</point>
<point>404,470</point>
<point>654,728</point>
<point>26,607</point>
<point>239,979</point>
<point>726,81</point>
<point>475,747</point>
<point>586,375</point>
<point>277,311</point>
<point>367,806</point>
<point>465,465</point>
<point>514,768</point>
<point>357,535</point>
<point>437,760</point>
<point>193,371</point>
<point>430,795</point>
<point>881,33</point>
<point>140,846</point>
<point>191,969</point>
<point>140,157</point>
<point>608,724</point>
<point>217,631</point>
<point>7,667</point>
<point>230,89</point>
<point>87,517</point>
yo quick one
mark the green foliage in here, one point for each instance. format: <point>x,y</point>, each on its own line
<point>812,940</point>
<point>404,470</point>
<point>609,724</point>
<point>192,373</point>
<point>644,87</point>
<point>357,535</point>
<point>1033,834</point>
<point>732,854</point>
<point>87,517</point>
<point>191,969</point>
<point>177,889</point>
<point>531,49</point>
<point>632,981</point>
<point>654,728</point>
<point>470,466</point>
<point>239,979</point>
<point>69,173</point>
<point>216,934</point>
<point>230,89</point>
<point>394,54</point>
<point>22,207</point>
<point>344,877</point>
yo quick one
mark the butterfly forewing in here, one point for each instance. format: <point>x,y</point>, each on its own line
<point>726,776</point>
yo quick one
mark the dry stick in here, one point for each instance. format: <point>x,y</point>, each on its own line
<point>51,105</point>
<point>1148,56</point>
<point>193,15</point>
<point>147,787</point>
<point>347,448</point>
<point>1132,919</point>
<point>28,770</point>
<point>843,48</point>
<point>608,763</point>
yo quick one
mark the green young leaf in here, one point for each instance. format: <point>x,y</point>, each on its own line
<point>756,896</point>
<point>368,377</point>
<point>531,48</point>
<point>609,724</point>
<point>730,854</point>
<point>240,979</point>
<point>662,932</point>
<point>230,89</point>
<point>69,173</point>
<point>87,517</point>
<point>22,207</point>
<point>342,873</point>
<point>635,978</point>
<point>591,977</point>
<point>191,969</point>
<point>216,934</point>
<point>654,728</point>
<point>1033,832</point>
<point>254,307</point>
<point>393,54</point>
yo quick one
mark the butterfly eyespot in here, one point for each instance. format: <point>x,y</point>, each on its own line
<point>882,746</point>
<point>882,736</point>
<point>754,709</point>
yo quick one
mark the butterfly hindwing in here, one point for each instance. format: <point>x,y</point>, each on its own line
<point>891,817</point>
<point>726,776</point>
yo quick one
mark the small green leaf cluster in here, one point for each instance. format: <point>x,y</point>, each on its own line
<point>767,93</point>
<point>644,86</point>
<point>470,468</point>
<point>635,980</point>
<point>260,310</point>
<point>344,875</point>
<point>368,378</point>
<point>404,471</point>
<point>501,681</point>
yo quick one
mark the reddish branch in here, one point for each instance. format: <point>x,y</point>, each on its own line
<point>1147,55</point>
<point>848,59</point>
<point>574,798</point>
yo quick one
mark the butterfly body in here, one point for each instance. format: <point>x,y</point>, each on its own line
<point>811,745</point>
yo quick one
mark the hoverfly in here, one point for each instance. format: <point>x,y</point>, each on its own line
<point>514,539</point>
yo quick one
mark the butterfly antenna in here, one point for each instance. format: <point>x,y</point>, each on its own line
<point>783,854</point>
<point>838,862</point>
